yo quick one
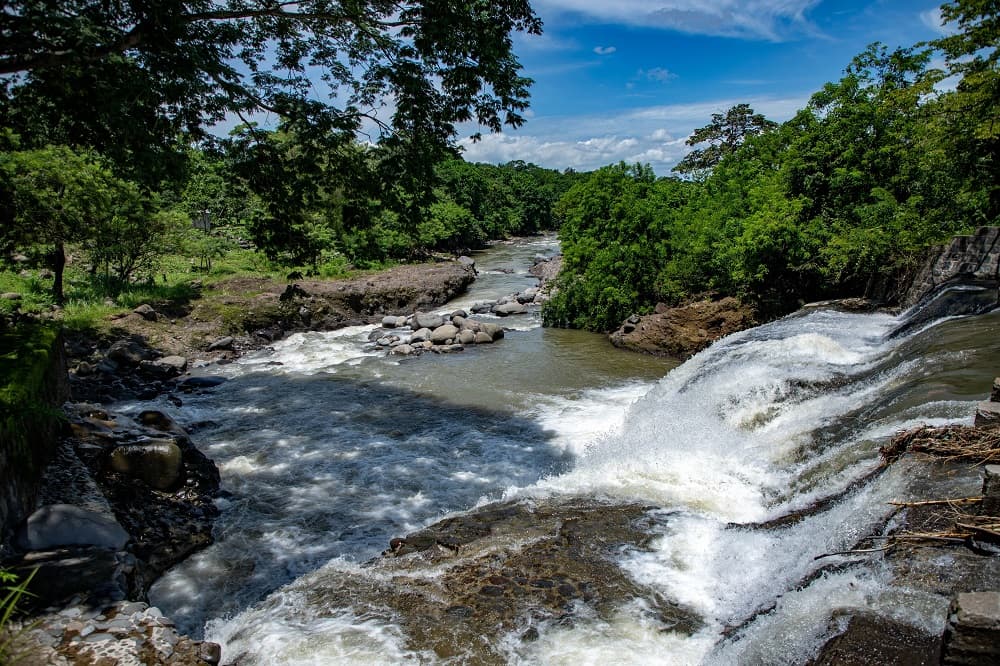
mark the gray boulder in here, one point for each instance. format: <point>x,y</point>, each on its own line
<point>156,462</point>
<point>402,350</point>
<point>225,343</point>
<point>59,525</point>
<point>11,296</point>
<point>459,313</point>
<point>177,364</point>
<point>427,320</point>
<point>467,261</point>
<point>482,308</point>
<point>481,338</point>
<point>130,352</point>
<point>495,331</point>
<point>420,335</point>
<point>507,309</point>
<point>393,322</point>
<point>146,311</point>
<point>467,337</point>
<point>442,334</point>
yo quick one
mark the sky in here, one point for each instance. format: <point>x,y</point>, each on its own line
<point>629,80</point>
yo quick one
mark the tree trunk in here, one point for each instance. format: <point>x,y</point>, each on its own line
<point>58,258</point>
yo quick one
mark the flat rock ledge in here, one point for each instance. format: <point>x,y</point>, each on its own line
<point>510,568</point>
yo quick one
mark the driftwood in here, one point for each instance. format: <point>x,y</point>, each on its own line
<point>966,443</point>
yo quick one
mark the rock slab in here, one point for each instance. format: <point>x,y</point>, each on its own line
<point>59,525</point>
<point>973,634</point>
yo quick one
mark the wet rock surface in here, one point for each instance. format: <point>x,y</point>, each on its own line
<point>508,568</point>
<point>126,633</point>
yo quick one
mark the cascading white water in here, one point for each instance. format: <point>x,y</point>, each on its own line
<point>333,452</point>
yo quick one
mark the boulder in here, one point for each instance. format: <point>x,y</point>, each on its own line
<point>202,382</point>
<point>130,352</point>
<point>467,337</point>
<point>420,335</point>
<point>11,296</point>
<point>427,320</point>
<point>459,313</point>
<point>177,364</point>
<point>481,338</point>
<point>157,420</point>
<point>442,334</point>
<point>224,343</point>
<point>146,311</point>
<point>458,321</point>
<point>156,462</point>
<point>495,331</point>
<point>482,308</point>
<point>58,525</point>
<point>507,309</point>
<point>393,322</point>
<point>402,350</point>
<point>467,261</point>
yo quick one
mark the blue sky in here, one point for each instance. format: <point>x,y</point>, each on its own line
<point>629,80</point>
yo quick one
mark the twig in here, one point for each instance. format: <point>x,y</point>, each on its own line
<point>855,552</point>
<point>957,500</point>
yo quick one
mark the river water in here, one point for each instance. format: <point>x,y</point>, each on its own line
<point>328,449</point>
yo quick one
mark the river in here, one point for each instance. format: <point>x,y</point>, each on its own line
<point>329,448</point>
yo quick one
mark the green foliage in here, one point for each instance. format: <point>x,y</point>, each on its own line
<point>13,591</point>
<point>724,135</point>
<point>128,78</point>
<point>58,196</point>
<point>832,203</point>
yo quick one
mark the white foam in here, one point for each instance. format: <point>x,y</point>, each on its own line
<point>311,353</point>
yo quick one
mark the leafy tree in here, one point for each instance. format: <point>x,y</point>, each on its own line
<point>56,197</point>
<point>128,78</point>
<point>724,135</point>
<point>969,117</point>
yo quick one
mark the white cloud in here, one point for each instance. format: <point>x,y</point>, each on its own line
<point>605,50</point>
<point>932,19</point>
<point>657,74</point>
<point>773,20</point>
<point>653,135</point>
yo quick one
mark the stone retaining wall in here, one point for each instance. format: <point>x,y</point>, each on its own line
<point>976,257</point>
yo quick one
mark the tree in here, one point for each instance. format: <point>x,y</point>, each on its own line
<point>724,135</point>
<point>970,115</point>
<point>130,77</point>
<point>55,196</point>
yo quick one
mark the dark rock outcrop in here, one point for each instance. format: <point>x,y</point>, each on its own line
<point>29,422</point>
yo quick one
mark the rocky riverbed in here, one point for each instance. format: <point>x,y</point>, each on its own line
<point>127,498</point>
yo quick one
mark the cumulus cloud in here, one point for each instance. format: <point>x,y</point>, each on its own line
<point>605,50</point>
<point>773,20</point>
<point>657,74</point>
<point>653,135</point>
